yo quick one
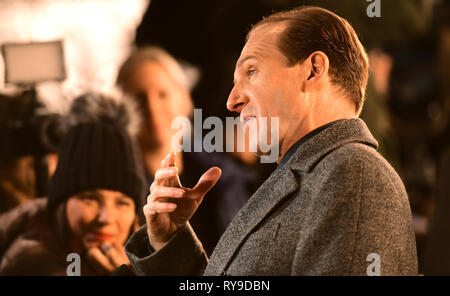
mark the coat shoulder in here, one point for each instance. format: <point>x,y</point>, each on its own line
<point>365,161</point>
<point>360,204</point>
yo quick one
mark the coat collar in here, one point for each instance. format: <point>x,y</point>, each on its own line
<point>281,184</point>
<point>343,132</point>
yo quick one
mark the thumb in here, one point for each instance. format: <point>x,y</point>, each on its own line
<point>207,181</point>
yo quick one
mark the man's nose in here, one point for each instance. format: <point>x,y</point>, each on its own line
<point>236,100</point>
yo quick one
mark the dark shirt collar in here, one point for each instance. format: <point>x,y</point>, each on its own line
<point>302,140</point>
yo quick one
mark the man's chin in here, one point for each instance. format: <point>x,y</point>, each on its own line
<point>255,146</point>
<point>266,152</point>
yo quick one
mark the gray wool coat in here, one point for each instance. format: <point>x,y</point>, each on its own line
<point>335,202</point>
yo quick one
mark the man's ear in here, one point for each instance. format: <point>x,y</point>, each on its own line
<point>317,65</point>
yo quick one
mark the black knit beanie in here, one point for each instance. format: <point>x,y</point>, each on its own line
<point>97,155</point>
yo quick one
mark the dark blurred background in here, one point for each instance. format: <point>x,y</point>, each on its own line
<point>408,97</point>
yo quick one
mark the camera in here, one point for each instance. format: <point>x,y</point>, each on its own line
<point>26,127</point>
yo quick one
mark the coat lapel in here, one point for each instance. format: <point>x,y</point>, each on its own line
<point>274,190</point>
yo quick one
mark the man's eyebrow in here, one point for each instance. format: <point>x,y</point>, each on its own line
<point>240,62</point>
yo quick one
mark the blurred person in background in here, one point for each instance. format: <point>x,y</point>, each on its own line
<point>95,194</point>
<point>29,136</point>
<point>161,88</point>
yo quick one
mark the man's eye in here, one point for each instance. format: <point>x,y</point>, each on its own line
<point>251,72</point>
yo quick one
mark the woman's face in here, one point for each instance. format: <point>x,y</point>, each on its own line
<point>162,100</point>
<point>100,216</point>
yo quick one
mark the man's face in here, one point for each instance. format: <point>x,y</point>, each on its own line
<point>161,98</point>
<point>265,86</point>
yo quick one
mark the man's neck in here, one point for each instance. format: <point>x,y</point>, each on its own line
<point>307,125</point>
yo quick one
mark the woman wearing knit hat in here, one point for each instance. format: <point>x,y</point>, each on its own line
<point>95,193</point>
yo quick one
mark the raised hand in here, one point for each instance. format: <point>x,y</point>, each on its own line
<point>169,205</point>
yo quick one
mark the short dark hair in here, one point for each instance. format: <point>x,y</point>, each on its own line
<point>311,29</point>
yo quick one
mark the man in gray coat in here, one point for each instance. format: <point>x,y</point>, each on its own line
<point>333,206</point>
